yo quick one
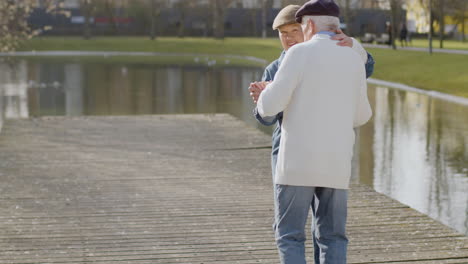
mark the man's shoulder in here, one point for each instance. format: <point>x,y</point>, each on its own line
<point>301,48</point>
<point>330,47</point>
<point>321,42</point>
<point>297,51</point>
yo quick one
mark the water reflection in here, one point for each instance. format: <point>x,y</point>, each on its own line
<point>97,89</point>
<point>13,91</point>
<point>414,149</point>
<point>420,149</point>
<point>1,108</point>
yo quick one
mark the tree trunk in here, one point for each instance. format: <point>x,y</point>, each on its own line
<point>264,20</point>
<point>87,22</point>
<point>214,7</point>
<point>181,32</point>
<point>395,11</point>
<point>253,23</point>
<point>110,9</point>
<point>441,23</point>
<point>218,17</point>
<point>463,20</point>
<point>431,26</point>
<point>348,18</point>
<point>153,20</point>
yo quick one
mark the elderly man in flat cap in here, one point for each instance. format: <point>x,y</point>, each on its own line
<point>320,89</point>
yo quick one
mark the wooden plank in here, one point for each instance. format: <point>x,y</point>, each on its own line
<point>173,189</point>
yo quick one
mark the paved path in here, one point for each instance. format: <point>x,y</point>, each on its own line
<point>437,50</point>
<point>172,189</point>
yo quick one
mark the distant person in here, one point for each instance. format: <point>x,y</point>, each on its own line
<point>404,35</point>
<point>389,30</point>
<point>408,37</point>
<point>291,245</point>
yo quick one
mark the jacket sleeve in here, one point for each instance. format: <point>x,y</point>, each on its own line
<point>369,65</point>
<point>277,94</point>
<point>363,109</point>
<point>365,56</point>
<point>267,120</point>
<point>360,50</point>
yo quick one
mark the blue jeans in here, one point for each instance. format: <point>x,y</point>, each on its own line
<point>329,210</point>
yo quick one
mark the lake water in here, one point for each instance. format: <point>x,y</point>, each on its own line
<point>415,148</point>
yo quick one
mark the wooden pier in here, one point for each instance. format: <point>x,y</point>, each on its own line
<point>173,189</point>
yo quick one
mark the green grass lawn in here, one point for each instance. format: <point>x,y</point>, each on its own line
<point>448,44</point>
<point>440,72</point>
<point>266,49</point>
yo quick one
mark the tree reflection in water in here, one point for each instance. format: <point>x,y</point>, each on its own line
<point>414,149</point>
<point>421,155</point>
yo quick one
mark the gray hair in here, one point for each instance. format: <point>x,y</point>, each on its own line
<point>323,23</point>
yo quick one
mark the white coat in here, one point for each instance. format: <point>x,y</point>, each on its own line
<point>322,90</point>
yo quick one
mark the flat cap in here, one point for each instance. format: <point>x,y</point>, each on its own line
<point>286,16</point>
<point>318,8</point>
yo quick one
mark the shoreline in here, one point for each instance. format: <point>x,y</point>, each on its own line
<point>435,94</point>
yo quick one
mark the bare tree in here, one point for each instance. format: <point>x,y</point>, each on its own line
<point>184,8</point>
<point>266,5</point>
<point>219,9</point>
<point>437,14</point>
<point>348,15</point>
<point>428,5</point>
<point>146,14</point>
<point>263,6</point>
<point>109,9</point>
<point>88,8</point>
<point>346,11</point>
<point>462,13</point>
<point>155,11</point>
<point>395,9</point>
<point>459,7</point>
<point>14,27</point>
<point>253,20</point>
<point>264,17</point>
<point>441,22</point>
<point>218,18</point>
<point>436,9</point>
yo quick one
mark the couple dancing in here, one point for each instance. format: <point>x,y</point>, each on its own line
<point>316,93</point>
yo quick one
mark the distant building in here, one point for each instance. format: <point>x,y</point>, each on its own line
<point>67,3</point>
<point>417,17</point>
<point>247,4</point>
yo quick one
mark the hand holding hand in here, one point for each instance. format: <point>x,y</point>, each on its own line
<point>263,85</point>
<point>256,89</point>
